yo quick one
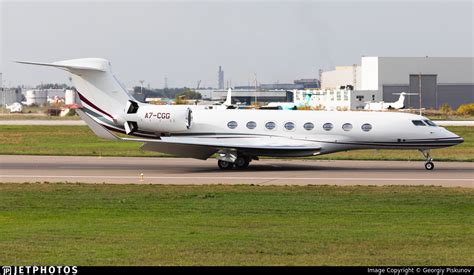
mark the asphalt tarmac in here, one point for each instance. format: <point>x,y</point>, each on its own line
<point>123,170</point>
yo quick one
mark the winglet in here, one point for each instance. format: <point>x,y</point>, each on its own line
<point>94,64</point>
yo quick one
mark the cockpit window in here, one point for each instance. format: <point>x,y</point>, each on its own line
<point>429,122</point>
<point>418,123</point>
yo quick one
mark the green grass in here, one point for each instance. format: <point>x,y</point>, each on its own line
<point>450,117</point>
<point>80,141</point>
<point>80,224</point>
<point>36,117</point>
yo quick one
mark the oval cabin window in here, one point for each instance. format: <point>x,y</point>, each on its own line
<point>308,126</point>
<point>232,124</point>
<point>270,125</point>
<point>251,124</point>
<point>347,127</point>
<point>328,126</point>
<point>366,127</point>
<point>289,126</point>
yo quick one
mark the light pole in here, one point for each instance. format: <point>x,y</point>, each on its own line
<point>255,89</point>
<point>419,89</point>
<point>3,93</point>
<point>141,86</point>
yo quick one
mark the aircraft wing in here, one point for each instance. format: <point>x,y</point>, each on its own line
<point>252,145</point>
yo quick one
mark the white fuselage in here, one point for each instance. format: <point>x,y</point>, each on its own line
<point>391,130</point>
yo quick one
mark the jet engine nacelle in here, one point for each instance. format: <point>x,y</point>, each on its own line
<point>158,118</point>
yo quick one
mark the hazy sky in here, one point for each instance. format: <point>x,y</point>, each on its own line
<point>187,41</point>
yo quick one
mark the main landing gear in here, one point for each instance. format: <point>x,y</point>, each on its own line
<point>227,162</point>
<point>429,165</point>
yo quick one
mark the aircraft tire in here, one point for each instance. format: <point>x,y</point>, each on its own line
<point>241,163</point>
<point>429,165</point>
<point>224,165</point>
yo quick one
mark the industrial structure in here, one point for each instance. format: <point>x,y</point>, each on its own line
<point>220,78</point>
<point>299,84</point>
<point>250,96</point>
<point>341,76</point>
<point>335,99</point>
<point>36,97</point>
<point>429,82</point>
<point>308,83</point>
<point>9,96</point>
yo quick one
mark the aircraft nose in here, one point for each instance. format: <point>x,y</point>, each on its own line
<point>458,139</point>
<point>455,138</point>
<point>452,138</point>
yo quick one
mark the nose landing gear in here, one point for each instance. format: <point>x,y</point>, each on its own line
<point>429,165</point>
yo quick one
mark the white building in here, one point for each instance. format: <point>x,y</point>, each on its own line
<point>36,97</point>
<point>335,99</point>
<point>341,76</point>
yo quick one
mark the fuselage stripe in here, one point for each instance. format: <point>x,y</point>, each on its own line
<point>93,105</point>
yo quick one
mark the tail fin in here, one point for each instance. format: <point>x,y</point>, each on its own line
<point>400,103</point>
<point>99,90</point>
<point>228,99</point>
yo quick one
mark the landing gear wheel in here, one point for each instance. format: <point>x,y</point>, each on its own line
<point>241,163</point>
<point>225,165</point>
<point>429,165</point>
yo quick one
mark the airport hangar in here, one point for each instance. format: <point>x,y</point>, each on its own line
<point>442,80</point>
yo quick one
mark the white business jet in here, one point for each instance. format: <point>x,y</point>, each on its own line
<point>227,104</point>
<point>380,106</point>
<point>240,136</point>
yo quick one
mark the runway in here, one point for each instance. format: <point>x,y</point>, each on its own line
<point>120,170</point>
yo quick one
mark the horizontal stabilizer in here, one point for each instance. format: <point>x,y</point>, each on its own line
<point>98,129</point>
<point>94,64</point>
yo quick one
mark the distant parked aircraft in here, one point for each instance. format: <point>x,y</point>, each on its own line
<point>15,107</point>
<point>380,106</point>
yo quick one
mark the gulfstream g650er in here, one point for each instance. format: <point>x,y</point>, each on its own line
<point>240,136</point>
